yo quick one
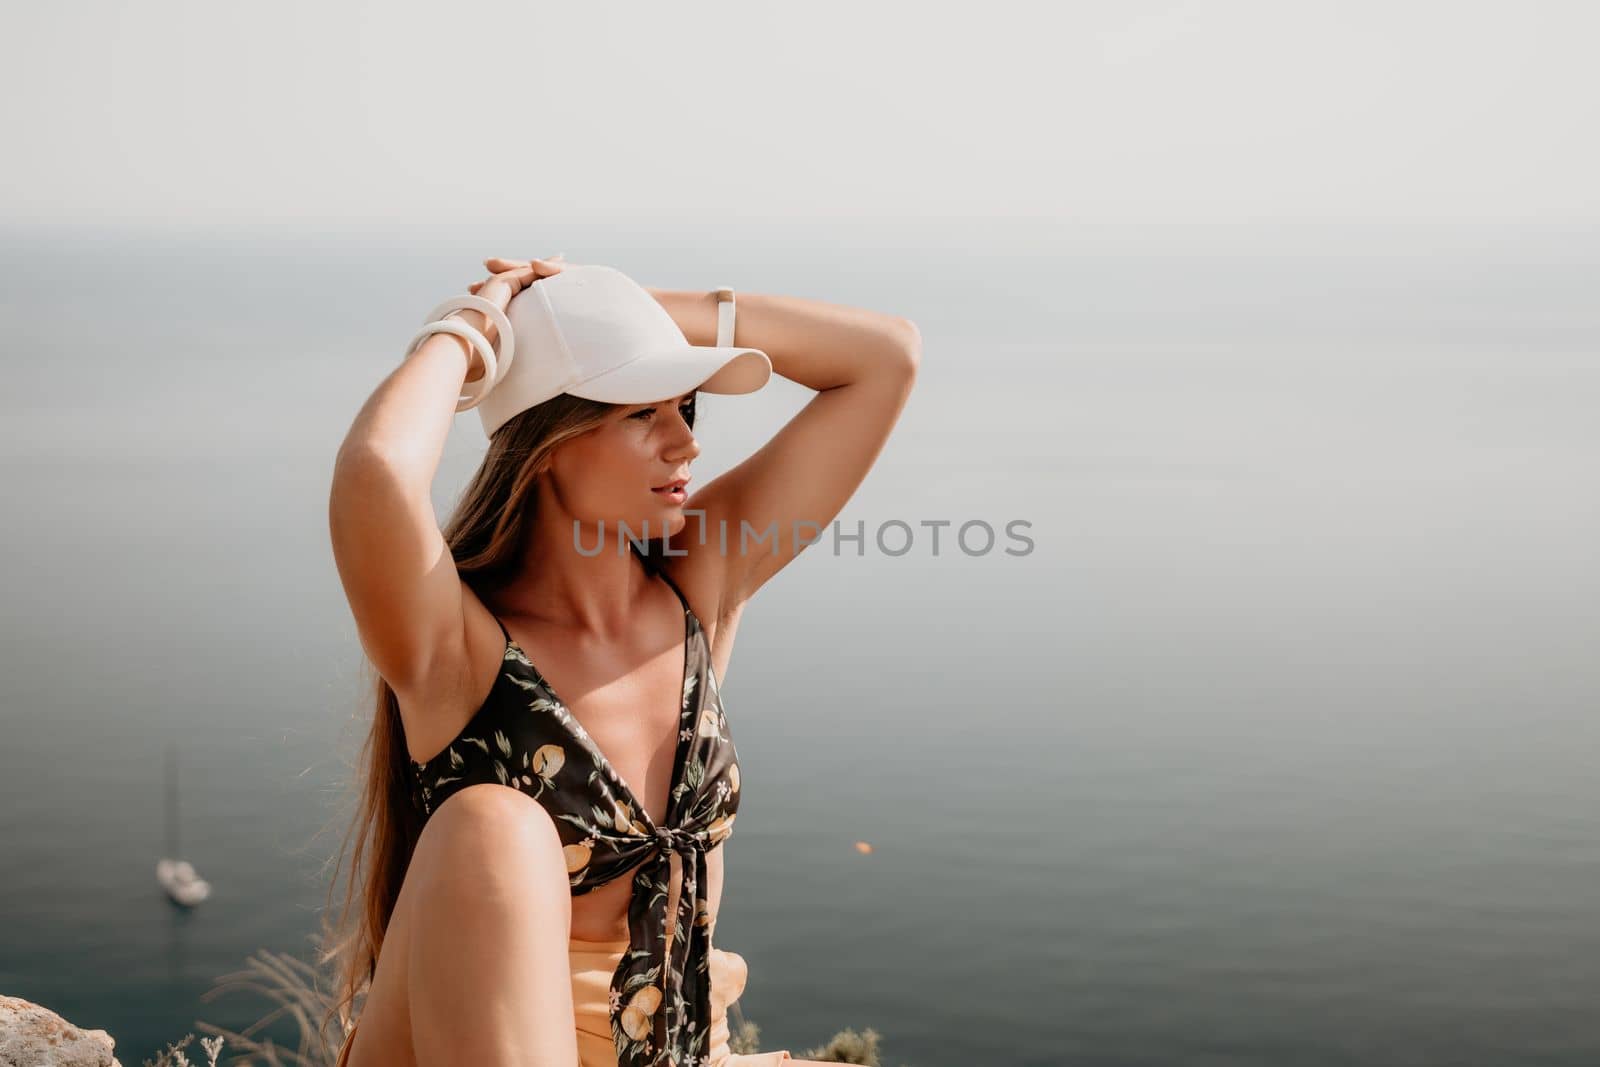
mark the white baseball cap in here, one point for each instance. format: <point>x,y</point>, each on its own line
<point>591,331</point>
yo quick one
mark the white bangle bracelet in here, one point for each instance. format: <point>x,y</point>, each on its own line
<point>506,350</point>
<point>725,314</point>
<point>478,341</point>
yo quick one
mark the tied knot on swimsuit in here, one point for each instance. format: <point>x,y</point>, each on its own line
<point>661,1003</point>
<point>672,839</point>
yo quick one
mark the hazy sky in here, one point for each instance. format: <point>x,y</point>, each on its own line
<point>196,111</point>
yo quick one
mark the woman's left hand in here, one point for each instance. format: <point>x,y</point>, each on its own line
<point>498,265</point>
<point>508,279</point>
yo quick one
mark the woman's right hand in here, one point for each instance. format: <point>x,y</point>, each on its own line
<point>509,279</point>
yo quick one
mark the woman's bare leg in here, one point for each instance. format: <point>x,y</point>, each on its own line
<point>488,975</point>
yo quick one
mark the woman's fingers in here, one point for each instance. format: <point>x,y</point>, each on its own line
<point>512,282</point>
<point>500,263</point>
<point>516,274</point>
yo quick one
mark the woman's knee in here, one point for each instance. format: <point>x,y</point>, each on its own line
<point>488,973</point>
<point>492,839</point>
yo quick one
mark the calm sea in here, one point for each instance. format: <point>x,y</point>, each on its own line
<point>1279,746</point>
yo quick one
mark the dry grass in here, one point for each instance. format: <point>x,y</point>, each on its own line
<point>173,1056</point>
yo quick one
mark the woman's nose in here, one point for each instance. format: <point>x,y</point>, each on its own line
<point>689,445</point>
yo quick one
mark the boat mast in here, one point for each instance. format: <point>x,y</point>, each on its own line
<point>172,799</point>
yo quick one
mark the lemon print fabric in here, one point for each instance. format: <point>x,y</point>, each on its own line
<point>525,738</point>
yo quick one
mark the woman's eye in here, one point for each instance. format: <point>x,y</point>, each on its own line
<point>687,410</point>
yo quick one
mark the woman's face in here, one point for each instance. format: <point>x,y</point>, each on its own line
<point>610,472</point>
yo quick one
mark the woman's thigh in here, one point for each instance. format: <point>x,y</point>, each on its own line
<point>490,912</point>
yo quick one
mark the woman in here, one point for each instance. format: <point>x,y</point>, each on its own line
<point>545,865</point>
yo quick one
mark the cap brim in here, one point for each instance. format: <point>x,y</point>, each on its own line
<point>663,375</point>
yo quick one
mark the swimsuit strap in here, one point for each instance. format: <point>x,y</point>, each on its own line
<point>681,598</point>
<point>653,565</point>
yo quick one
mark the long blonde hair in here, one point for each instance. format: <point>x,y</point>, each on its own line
<point>485,534</point>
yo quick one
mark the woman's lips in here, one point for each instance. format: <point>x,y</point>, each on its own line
<point>676,494</point>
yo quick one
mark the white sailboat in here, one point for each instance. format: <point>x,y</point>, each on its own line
<point>176,876</point>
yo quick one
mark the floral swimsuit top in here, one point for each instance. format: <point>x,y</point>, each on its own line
<point>524,737</point>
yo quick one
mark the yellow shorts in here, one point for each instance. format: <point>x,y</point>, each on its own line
<point>593,964</point>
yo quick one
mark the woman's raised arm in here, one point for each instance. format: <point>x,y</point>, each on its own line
<point>396,569</point>
<point>862,364</point>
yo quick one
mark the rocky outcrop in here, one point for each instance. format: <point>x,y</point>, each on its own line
<point>31,1036</point>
